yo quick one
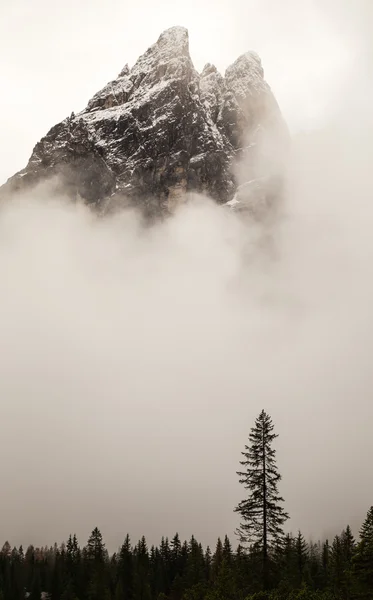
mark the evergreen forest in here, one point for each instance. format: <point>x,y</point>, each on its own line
<point>264,562</point>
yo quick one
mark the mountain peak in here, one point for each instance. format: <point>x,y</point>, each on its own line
<point>246,73</point>
<point>175,36</point>
<point>168,58</point>
<point>158,131</point>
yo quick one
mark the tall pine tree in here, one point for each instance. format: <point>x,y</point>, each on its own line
<point>262,515</point>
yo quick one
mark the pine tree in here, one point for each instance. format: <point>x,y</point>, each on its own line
<point>336,564</point>
<point>341,556</point>
<point>208,563</point>
<point>165,565</point>
<point>241,571</point>
<point>315,567</point>
<point>195,567</point>
<point>194,577</point>
<point>17,574</point>
<point>217,559</point>
<point>156,572</point>
<point>184,557</point>
<point>301,551</point>
<point>58,578</point>
<point>126,569</point>
<point>95,546</point>
<point>348,550</point>
<point>325,562</point>
<point>96,555</point>
<point>261,513</point>
<point>141,573</point>
<point>288,564</point>
<point>348,545</point>
<point>225,583</point>
<point>72,549</point>
<point>178,561</point>
<point>363,560</point>
<point>73,561</point>
<point>175,557</point>
<point>227,550</point>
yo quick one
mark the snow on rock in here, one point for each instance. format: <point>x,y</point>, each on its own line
<point>246,76</point>
<point>167,59</point>
<point>212,88</point>
<point>157,131</point>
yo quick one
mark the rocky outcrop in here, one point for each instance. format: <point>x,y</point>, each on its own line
<point>158,131</point>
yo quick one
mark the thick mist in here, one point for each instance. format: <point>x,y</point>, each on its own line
<point>134,360</point>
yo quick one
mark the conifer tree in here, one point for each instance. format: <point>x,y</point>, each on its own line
<point>72,549</point>
<point>156,571</point>
<point>363,559</point>
<point>96,555</point>
<point>287,563</point>
<point>17,574</point>
<point>227,550</point>
<point>208,563</point>
<point>337,565</point>
<point>225,583</point>
<point>217,559</point>
<point>184,557</point>
<point>175,548</point>
<point>262,516</point>
<point>301,551</point>
<point>95,546</point>
<point>241,570</point>
<point>325,563</point>
<point>141,574</point>
<point>348,545</point>
<point>73,563</point>
<point>125,570</point>
<point>315,568</point>
<point>348,550</point>
<point>195,567</point>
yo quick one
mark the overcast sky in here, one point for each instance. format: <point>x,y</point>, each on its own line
<point>133,367</point>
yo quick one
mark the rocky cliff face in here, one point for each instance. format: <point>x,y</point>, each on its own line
<point>160,130</point>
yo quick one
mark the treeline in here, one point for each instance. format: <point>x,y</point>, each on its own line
<point>185,571</point>
<point>267,564</point>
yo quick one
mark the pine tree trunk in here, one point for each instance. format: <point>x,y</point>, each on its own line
<point>265,548</point>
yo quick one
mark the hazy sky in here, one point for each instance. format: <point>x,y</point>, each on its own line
<point>133,365</point>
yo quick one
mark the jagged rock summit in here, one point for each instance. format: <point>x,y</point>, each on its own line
<point>158,131</point>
